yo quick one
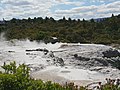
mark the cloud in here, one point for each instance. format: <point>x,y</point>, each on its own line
<point>41,8</point>
<point>67,2</point>
<point>92,11</point>
<point>25,8</point>
<point>16,3</point>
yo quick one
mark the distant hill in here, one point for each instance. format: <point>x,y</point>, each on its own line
<point>99,19</point>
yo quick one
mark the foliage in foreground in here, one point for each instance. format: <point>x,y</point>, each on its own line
<point>17,78</point>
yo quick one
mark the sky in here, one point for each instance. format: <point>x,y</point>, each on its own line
<point>75,9</point>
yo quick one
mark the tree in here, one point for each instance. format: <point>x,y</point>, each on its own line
<point>112,15</point>
<point>13,20</point>
<point>46,18</point>
<point>41,29</point>
<point>92,20</point>
<point>69,19</point>
<point>64,19</point>
<point>83,20</point>
<point>29,19</point>
<point>41,35</point>
<point>78,20</point>
<point>52,19</point>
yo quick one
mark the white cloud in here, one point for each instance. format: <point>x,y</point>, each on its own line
<point>92,11</point>
<point>67,2</point>
<point>16,3</point>
<point>34,8</point>
<point>25,8</point>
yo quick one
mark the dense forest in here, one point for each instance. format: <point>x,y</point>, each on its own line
<point>102,31</point>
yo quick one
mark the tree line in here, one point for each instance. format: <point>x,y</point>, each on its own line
<point>100,31</point>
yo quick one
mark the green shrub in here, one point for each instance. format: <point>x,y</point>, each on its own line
<point>17,78</point>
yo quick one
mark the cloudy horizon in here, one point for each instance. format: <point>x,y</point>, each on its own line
<point>75,9</point>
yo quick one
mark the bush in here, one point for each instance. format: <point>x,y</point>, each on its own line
<point>17,78</point>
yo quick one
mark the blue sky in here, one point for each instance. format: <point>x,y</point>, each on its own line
<point>58,8</point>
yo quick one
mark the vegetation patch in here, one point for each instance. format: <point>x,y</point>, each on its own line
<point>17,78</point>
<point>104,31</point>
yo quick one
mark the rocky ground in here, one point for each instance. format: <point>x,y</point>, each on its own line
<point>61,62</point>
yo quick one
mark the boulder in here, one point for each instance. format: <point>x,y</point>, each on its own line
<point>58,61</point>
<point>42,50</point>
<point>111,53</point>
<point>51,54</point>
<point>53,40</point>
<point>81,58</point>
